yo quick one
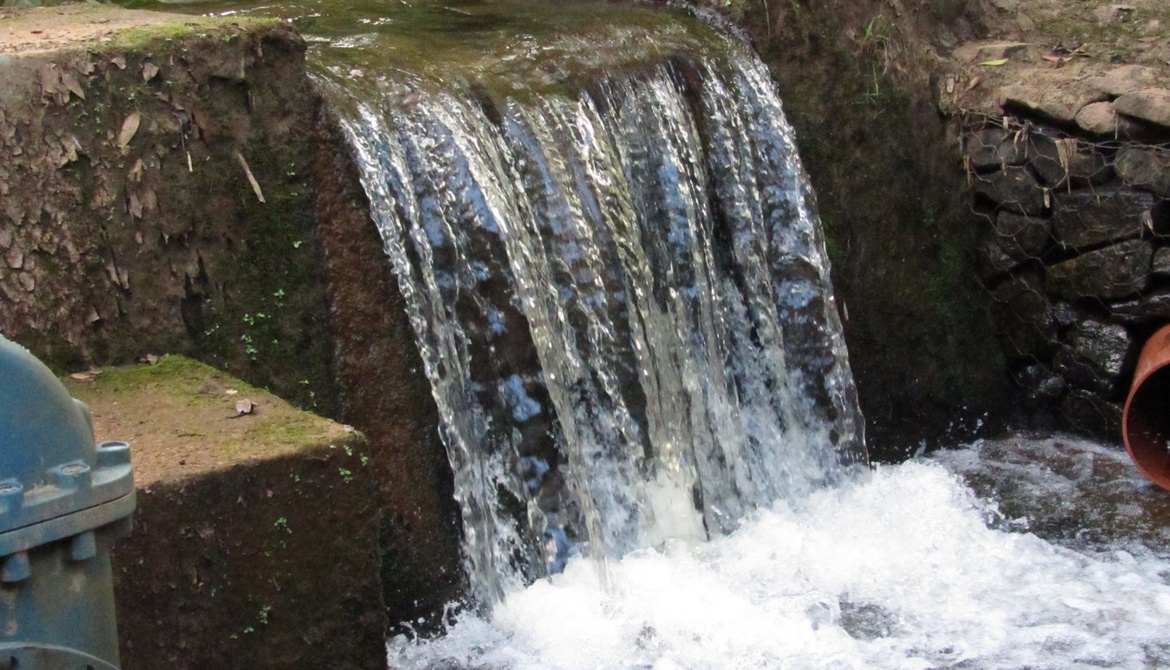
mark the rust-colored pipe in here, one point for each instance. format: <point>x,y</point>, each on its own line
<point>1145,422</point>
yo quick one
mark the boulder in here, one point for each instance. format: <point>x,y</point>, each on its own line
<point>1061,160</point>
<point>1098,118</point>
<point>1161,264</point>
<point>1145,168</point>
<point>1150,104</point>
<point>1117,271</point>
<point>992,149</point>
<point>1041,383</point>
<point>1066,314</point>
<point>1022,236</point>
<point>1094,355</point>
<point>1014,189</point>
<point>1125,79</point>
<point>1090,217</point>
<point>1088,413</point>
<point>1054,104</point>
<point>1149,308</point>
<point>995,261</point>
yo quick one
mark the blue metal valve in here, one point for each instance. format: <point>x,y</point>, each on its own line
<point>63,499</point>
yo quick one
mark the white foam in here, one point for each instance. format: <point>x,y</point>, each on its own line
<point>897,571</point>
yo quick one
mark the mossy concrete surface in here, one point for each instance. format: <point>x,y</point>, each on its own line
<point>255,539</point>
<point>156,196</point>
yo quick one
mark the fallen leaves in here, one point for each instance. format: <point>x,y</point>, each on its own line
<point>129,129</point>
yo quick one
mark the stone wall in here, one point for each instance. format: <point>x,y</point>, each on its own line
<point>1075,219</point>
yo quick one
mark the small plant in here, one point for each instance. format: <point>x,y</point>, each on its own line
<point>346,475</point>
<point>264,614</point>
<point>282,524</point>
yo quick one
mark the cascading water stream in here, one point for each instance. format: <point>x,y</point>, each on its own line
<point>622,300</point>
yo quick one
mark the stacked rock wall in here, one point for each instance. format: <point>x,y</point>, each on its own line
<point>1076,251</point>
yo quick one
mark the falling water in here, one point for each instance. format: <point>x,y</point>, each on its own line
<point>622,300</point>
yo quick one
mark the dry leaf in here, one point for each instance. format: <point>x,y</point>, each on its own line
<point>244,406</point>
<point>129,128</point>
<point>995,63</point>
<point>231,391</point>
<point>50,80</point>
<point>119,60</point>
<point>975,81</point>
<point>135,206</point>
<point>149,70</point>
<point>71,84</point>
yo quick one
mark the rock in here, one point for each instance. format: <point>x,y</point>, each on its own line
<point>1059,160</point>
<point>1091,217</point>
<point>992,149</point>
<point>1098,118</point>
<point>1146,168</point>
<point>1114,272</point>
<point>1089,413</point>
<point>1014,189</point>
<point>1054,104</point>
<point>1041,383</point>
<point>1109,14</point>
<point>1150,104</point>
<point>995,261</point>
<point>1094,356</point>
<point>1161,264</point>
<point>1066,314</point>
<point>1022,236</point>
<point>1023,318</point>
<point>985,51</point>
<point>1125,79</point>
<point>1149,308</point>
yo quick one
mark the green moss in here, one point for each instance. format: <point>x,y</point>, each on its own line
<point>176,375</point>
<point>192,399</point>
<point>181,27</point>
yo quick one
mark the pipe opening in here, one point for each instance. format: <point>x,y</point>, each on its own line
<point>1147,426</point>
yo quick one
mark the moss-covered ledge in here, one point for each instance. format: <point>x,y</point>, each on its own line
<point>255,542</point>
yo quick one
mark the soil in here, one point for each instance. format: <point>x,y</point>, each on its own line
<point>183,418</point>
<point>83,26</point>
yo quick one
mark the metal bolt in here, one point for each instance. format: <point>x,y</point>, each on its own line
<point>15,568</point>
<point>112,454</point>
<point>83,546</point>
<point>71,475</point>
<point>11,496</point>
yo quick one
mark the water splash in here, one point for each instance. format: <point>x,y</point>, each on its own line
<point>900,570</point>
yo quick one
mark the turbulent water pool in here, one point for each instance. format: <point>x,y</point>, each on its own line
<point>910,567</point>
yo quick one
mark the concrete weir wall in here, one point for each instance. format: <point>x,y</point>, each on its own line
<point>165,188</point>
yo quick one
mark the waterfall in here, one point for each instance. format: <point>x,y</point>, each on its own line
<point>621,297</point>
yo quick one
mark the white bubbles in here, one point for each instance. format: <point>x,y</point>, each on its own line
<point>899,570</point>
